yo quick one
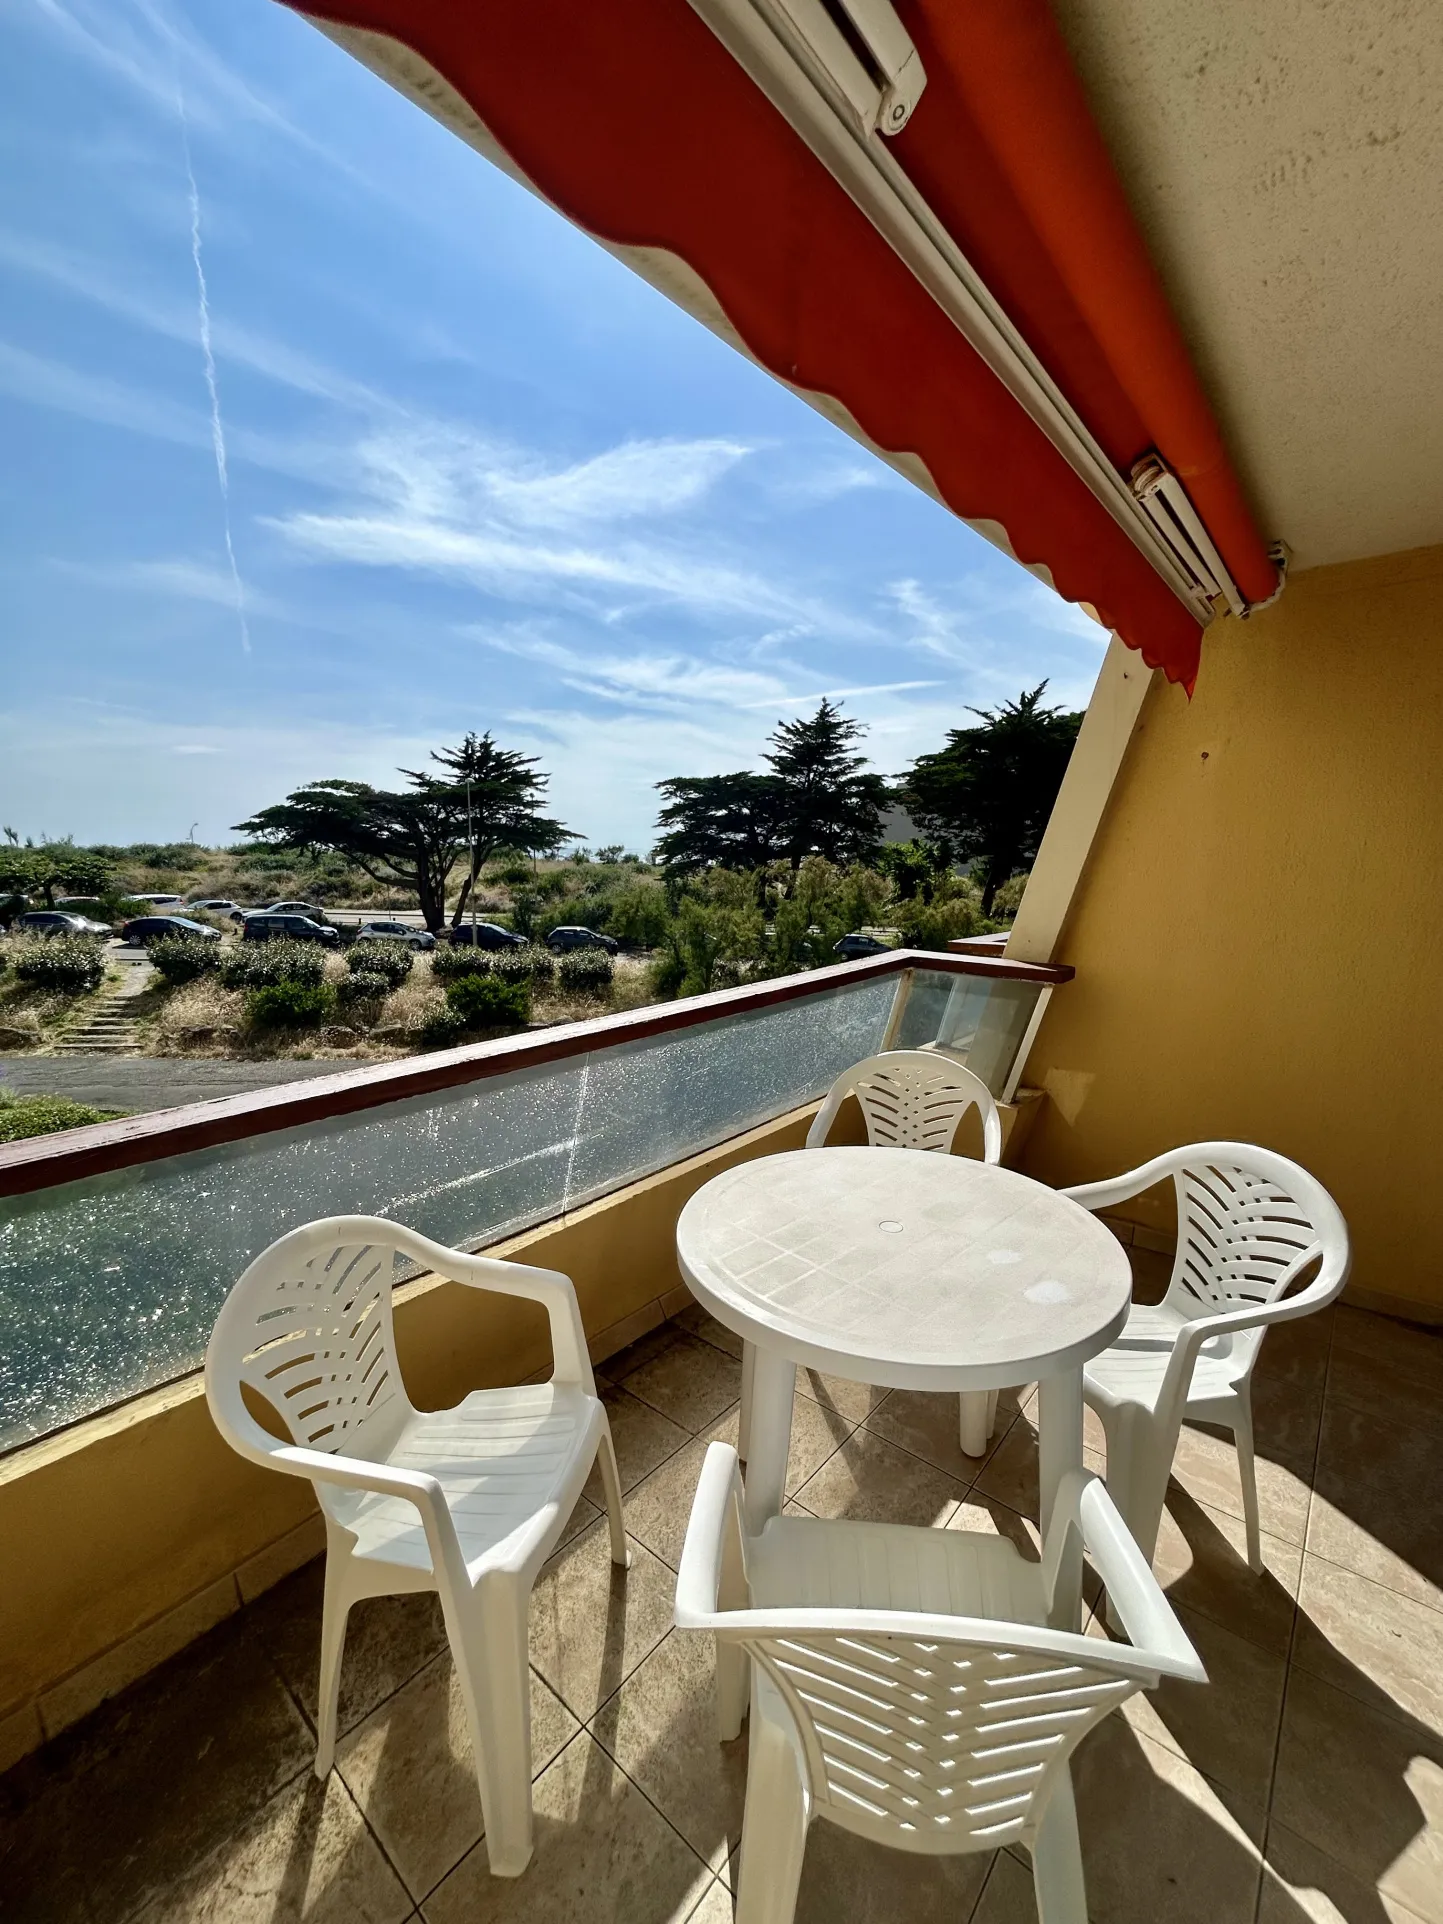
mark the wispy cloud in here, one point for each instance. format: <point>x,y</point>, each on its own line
<point>454,505</point>
<point>42,382</point>
<point>143,46</point>
<point>671,682</point>
<point>89,279</point>
<point>181,578</point>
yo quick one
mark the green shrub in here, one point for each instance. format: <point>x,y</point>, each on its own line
<point>450,960</point>
<point>262,965</point>
<point>533,964</point>
<point>363,985</point>
<point>390,959</point>
<point>932,925</point>
<point>486,1002</point>
<point>181,958</point>
<point>70,963</point>
<point>22,1116</point>
<point>638,916</point>
<point>586,972</point>
<point>291,1005</point>
<point>1008,898</point>
<point>442,1029</point>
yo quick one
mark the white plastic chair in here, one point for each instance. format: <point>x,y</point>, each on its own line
<point>913,1099</point>
<point>1249,1223</point>
<point>467,1502</point>
<point>906,1685</point>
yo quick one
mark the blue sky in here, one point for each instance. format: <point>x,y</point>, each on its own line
<point>471,471</point>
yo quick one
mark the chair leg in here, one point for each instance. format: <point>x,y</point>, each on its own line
<point>733,1677</point>
<point>488,1643</point>
<point>611,1483</point>
<point>1242,1423</point>
<point>1057,1860</point>
<point>335,1609</point>
<point>774,1829</point>
<point>1136,1479</point>
<point>975,1428</point>
<point>744,1419</point>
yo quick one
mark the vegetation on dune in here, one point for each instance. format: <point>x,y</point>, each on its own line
<point>756,874</point>
<point>391,960</point>
<point>183,958</point>
<point>38,1115</point>
<point>260,965</point>
<point>291,1005</point>
<point>71,964</point>
<point>488,1002</point>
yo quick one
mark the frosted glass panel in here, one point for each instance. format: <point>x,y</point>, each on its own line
<point>981,1020</point>
<point>110,1286</point>
<point>651,1103</point>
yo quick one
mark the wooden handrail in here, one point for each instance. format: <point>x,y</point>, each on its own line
<point>43,1162</point>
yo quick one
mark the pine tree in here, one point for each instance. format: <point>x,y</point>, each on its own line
<point>990,791</point>
<point>827,802</point>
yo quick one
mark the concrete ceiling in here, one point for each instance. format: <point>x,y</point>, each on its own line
<point>1285,160</point>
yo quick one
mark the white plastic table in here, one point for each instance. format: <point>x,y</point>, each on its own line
<point>909,1270</point>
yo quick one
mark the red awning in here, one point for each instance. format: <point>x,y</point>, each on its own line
<point>637,122</point>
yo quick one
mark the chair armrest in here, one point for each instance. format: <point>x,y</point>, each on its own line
<point>1152,1629</point>
<point>824,1118</point>
<point>411,1486</point>
<point>712,1579</point>
<point>1116,1189</point>
<point>1201,1329</point>
<point>550,1287</point>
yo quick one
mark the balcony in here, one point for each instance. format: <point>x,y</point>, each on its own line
<point>161,1604</point>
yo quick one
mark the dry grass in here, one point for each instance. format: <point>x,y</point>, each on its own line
<point>204,1021</point>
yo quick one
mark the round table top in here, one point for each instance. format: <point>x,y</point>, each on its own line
<point>904,1268</point>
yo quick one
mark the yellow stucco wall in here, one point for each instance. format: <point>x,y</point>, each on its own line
<point>1258,935</point>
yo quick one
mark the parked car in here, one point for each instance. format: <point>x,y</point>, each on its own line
<point>58,922</point>
<point>153,928</point>
<point>308,909</point>
<point>486,935</point>
<point>158,901</point>
<point>260,925</point>
<point>853,947</point>
<point>571,935</point>
<point>220,905</point>
<point>396,932</point>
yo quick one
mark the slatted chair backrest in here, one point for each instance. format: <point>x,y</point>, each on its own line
<point>1245,1232</point>
<point>930,1732</point>
<point>308,1328</point>
<point>912,1099</point>
<point>938,1745</point>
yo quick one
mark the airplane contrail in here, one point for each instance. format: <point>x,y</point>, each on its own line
<point>217,430</point>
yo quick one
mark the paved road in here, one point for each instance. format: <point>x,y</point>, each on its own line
<point>141,1082</point>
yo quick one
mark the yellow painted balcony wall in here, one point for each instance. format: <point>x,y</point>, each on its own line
<point>1258,936</point>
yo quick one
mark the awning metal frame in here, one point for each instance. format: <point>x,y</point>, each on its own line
<point>794,51</point>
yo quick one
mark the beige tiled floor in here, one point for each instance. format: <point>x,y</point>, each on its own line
<point>1304,1782</point>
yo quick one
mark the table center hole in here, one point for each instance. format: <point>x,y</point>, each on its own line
<point>892,1228</point>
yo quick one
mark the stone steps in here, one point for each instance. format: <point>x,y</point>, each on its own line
<point>107,1030</point>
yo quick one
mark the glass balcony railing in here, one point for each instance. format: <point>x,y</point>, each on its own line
<point>119,1242</point>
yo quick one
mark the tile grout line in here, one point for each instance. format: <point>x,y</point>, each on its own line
<point>471,1849</point>
<point>861,1423</point>
<point>596,1737</point>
